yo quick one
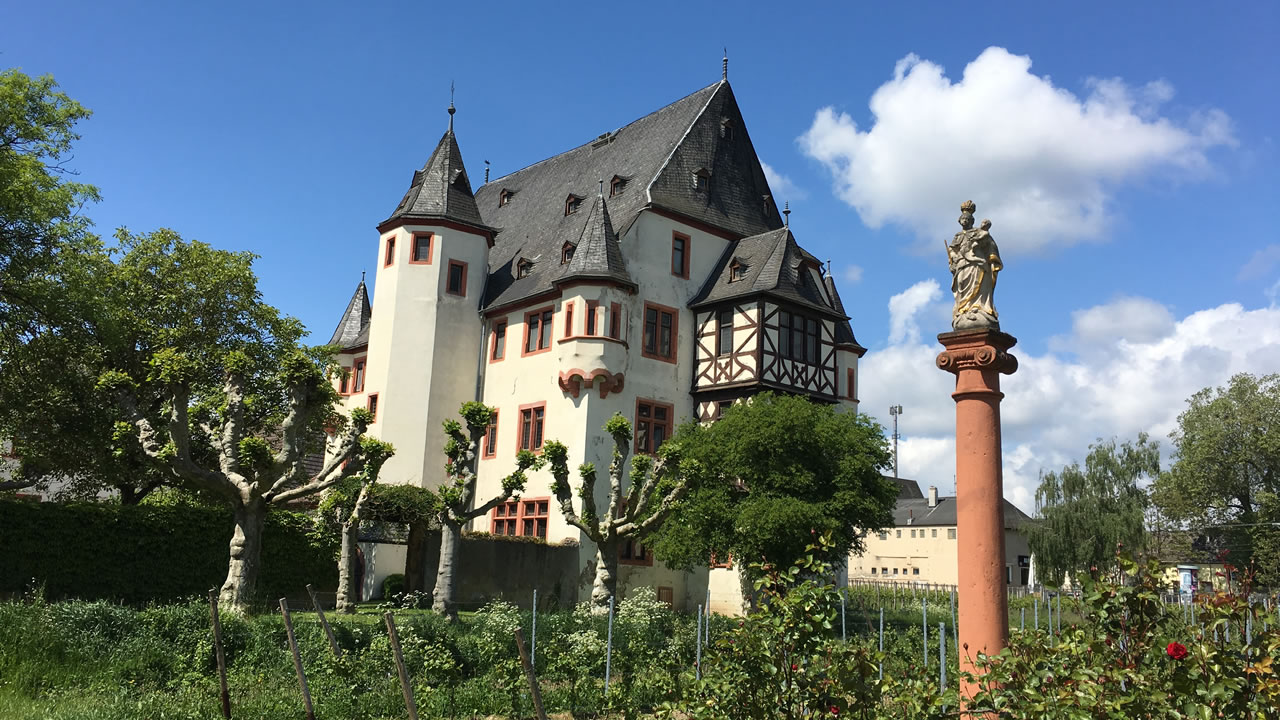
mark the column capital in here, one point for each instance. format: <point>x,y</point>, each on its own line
<point>979,349</point>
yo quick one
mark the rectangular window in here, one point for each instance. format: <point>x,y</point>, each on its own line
<point>491,437</point>
<point>722,407</point>
<point>344,380</point>
<point>390,257</point>
<point>531,426</point>
<point>1008,574</point>
<point>951,533</point>
<point>716,562</point>
<point>899,533</point>
<point>591,326</point>
<point>797,337</point>
<point>884,536</point>
<point>615,321</point>
<point>506,518</point>
<point>654,423</point>
<point>499,341</point>
<point>724,332</point>
<point>659,332</point>
<point>421,252</point>
<point>372,406</point>
<point>849,389</point>
<point>680,255</point>
<point>873,571</point>
<point>457,281</point>
<point>533,517</point>
<point>884,571</point>
<point>631,552</point>
<point>568,319</point>
<point>537,331</point>
<point>933,533</point>
<point>784,334</point>
<point>895,571</point>
<point>357,376</point>
<point>915,571</point>
<point>913,533</point>
<point>811,343</point>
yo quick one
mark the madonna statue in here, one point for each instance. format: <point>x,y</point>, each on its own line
<point>974,260</point>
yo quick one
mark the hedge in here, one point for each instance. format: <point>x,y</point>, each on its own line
<point>139,554</point>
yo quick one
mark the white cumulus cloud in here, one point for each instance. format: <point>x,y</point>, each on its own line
<point>1128,366</point>
<point>852,274</point>
<point>1039,160</point>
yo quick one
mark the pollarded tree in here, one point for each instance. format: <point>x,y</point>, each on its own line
<point>1085,513</point>
<point>773,472</point>
<point>1225,479</point>
<point>639,501</point>
<point>359,498</point>
<point>458,494</point>
<point>212,384</point>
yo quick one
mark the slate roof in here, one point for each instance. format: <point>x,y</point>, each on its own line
<point>596,253</point>
<point>844,330</point>
<point>441,188</point>
<point>353,328</point>
<point>907,489</point>
<point>774,266</point>
<point>915,512</point>
<point>654,154</point>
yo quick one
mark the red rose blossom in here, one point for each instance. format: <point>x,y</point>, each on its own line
<point>1177,651</point>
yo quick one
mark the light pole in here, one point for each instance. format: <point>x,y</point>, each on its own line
<point>895,411</point>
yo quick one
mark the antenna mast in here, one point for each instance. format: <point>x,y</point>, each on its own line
<point>895,411</point>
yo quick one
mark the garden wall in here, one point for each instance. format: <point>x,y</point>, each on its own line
<point>495,568</point>
<point>139,554</point>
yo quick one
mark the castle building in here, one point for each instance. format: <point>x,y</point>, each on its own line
<point>647,272</point>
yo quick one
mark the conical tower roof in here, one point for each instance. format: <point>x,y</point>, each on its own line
<point>441,190</point>
<point>597,254</point>
<point>355,319</point>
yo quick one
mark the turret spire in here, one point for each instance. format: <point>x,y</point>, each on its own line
<point>452,109</point>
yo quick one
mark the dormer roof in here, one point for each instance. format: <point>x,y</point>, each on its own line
<point>354,325</point>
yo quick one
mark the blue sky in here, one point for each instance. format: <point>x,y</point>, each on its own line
<point>1130,170</point>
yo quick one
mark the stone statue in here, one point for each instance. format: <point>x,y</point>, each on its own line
<point>974,260</point>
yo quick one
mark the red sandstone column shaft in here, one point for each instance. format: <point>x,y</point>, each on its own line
<point>977,357</point>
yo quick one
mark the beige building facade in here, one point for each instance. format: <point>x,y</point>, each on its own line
<point>647,272</point>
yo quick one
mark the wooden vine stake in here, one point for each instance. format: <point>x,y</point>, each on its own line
<point>297,660</point>
<point>222,658</point>
<point>328,631</point>
<point>528,673</point>
<point>405,686</point>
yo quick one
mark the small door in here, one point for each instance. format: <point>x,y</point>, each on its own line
<point>667,596</point>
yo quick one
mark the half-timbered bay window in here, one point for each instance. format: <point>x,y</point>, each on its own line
<point>724,332</point>
<point>531,426</point>
<point>654,421</point>
<point>798,337</point>
<point>537,326</point>
<point>659,332</point>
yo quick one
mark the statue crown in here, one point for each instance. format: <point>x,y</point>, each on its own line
<point>968,206</point>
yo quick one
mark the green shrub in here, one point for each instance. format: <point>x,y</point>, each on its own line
<point>392,586</point>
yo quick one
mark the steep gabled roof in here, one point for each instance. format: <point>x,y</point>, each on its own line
<point>915,512</point>
<point>354,324</point>
<point>776,266</point>
<point>441,189</point>
<point>844,330</point>
<point>652,153</point>
<point>597,255</point>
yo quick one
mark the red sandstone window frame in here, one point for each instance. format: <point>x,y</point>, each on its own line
<point>568,319</point>
<point>572,204</point>
<point>591,321</point>
<point>371,404</point>
<point>389,251</point>
<point>633,552</point>
<point>533,424</point>
<point>344,380</point>
<point>489,448</point>
<point>615,321</point>
<point>414,258</point>
<point>656,352</point>
<point>643,437</point>
<point>526,517</point>
<point>497,354</point>
<point>359,373</point>
<point>545,315</point>
<point>716,564</point>
<point>681,271</point>
<point>462,279</point>
<point>566,252</point>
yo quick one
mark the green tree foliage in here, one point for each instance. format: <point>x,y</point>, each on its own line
<point>1225,479</point>
<point>772,473</point>
<point>1086,512</point>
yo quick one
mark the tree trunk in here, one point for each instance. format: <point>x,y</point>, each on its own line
<point>415,557</point>
<point>606,583</point>
<point>442,596</point>
<point>246,556</point>
<point>348,560</point>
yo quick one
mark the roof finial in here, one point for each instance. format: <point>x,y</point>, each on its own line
<point>828,266</point>
<point>786,213</point>
<point>361,277</point>
<point>724,66</point>
<point>486,171</point>
<point>601,187</point>
<point>452,110</point>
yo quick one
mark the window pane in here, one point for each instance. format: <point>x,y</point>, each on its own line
<point>591,320</point>
<point>499,341</point>
<point>421,248</point>
<point>650,330</point>
<point>531,326</point>
<point>538,414</point>
<point>545,341</point>
<point>677,256</point>
<point>797,338</point>
<point>784,334</point>
<point>526,428</point>
<point>455,278</point>
<point>665,338</point>
<point>659,435</point>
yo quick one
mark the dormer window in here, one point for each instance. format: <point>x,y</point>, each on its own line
<point>566,253</point>
<point>737,271</point>
<point>505,196</point>
<point>460,178</point>
<point>726,128</point>
<point>571,204</point>
<point>523,268</point>
<point>617,185</point>
<point>701,179</point>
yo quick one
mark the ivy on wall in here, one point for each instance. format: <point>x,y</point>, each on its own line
<point>139,554</point>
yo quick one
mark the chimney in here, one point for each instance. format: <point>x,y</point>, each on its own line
<point>933,496</point>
